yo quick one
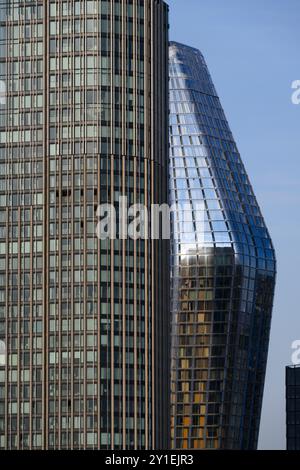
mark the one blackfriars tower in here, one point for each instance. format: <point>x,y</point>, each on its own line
<point>223,271</point>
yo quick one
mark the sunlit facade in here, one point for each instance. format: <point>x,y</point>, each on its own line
<point>83,102</point>
<point>223,272</point>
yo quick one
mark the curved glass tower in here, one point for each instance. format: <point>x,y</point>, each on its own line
<point>82,121</point>
<point>223,271</point>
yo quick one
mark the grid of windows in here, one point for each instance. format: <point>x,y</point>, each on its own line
<point>293,407</point>
<point>223,271</point>
<point>77,315</point>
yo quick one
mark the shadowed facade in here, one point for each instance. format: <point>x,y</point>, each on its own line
<point>84,323</point>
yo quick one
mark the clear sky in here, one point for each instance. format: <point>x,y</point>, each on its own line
<point>252,48</point>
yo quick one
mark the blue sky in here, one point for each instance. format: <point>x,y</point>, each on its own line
<point>252,48</point>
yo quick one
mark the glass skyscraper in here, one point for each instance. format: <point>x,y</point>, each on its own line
<point>223,271</point>
<point>83,98</point>
<point>292,389</point>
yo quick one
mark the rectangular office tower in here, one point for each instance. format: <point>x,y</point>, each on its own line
<point>223,271</point>
<point>292,389</point>
<point>83,320</point>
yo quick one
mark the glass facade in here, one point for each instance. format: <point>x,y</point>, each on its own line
<point>83,122</point>
<point>292,383</point>
<point>222,272</point>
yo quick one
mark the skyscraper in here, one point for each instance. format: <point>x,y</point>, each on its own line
<point>292,389</point>
<point>83,121</point>
<point>223,271</point>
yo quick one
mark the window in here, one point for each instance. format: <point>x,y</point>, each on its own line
<point>2,353</point>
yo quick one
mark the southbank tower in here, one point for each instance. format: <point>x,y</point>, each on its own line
<point>83,100</point>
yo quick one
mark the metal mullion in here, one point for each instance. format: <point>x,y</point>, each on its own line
<point>147,243</point>
<point>96,367</point>
<point>146,314</point>
<point>99,174</point>
<point>124,163</point>
<point>19,290</point>
<point>19,366</point>
<point>95,319</point>
<point>8,323</point>
<point>111,153</point>
<point>136,253</point>
<point>84,297</point>
<point>57,366</point>
<point>30,328</point>
<point>124,317</point>
<point>45,350</point>
<point>58,250</point>
<point>153,251</point>
<point>71,113</point>
<point>33,271</point>
<point>7,257</point>
<point>135,319</point>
